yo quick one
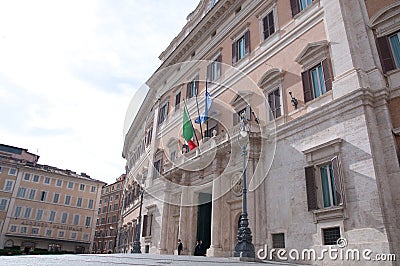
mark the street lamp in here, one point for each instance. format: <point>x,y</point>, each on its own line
<point>244,247</point>
<point>136,244</point>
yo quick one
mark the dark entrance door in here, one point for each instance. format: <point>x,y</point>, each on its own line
<point>204,219</point>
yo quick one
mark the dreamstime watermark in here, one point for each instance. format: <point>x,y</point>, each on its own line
<point>334,253</point>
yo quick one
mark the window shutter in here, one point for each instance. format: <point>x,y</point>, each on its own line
<point>385,54</point>
<point>150,224</point>
<point>196,88</point>
<point>166,111</point>
<point>294,4</point>
<point>219,60</point>
<point>265,27</point>
<point>271,23</point>
<point>209,69</point>
<point>144,231</point>
<point>235,119</point>
<point>234,52</point>
<point>248,112</point>
<point>188,86</point>
<point>247,42</point>
<point>311,188</point>
<point>277,103</point>
<point>337,179</point>
<point>327,74</point>
<point>308,94</point>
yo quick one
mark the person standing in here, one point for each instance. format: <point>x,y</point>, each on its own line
<point>180,247</point>
<point>197,249</point>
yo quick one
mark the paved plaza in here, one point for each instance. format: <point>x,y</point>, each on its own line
<point>124,259</point>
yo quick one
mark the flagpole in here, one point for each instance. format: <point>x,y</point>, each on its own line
<point>198,113</point>
<point>194,131</point>
<point>208,133</point>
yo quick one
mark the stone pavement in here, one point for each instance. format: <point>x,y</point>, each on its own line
<point>124,259</point>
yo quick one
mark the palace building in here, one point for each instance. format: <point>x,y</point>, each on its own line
<point>44,208</point>
<point>314,86</point>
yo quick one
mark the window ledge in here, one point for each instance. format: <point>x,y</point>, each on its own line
<point>242,61</point>
<point>328,214</point>
<point>308,10</point>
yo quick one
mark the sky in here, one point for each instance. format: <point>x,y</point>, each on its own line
<point>68,70</point>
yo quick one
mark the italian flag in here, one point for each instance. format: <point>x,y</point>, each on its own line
<point>188,130</point>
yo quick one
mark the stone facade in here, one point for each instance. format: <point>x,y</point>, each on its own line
<point>321,99</point>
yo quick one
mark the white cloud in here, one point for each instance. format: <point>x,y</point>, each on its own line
<point>68,70</point>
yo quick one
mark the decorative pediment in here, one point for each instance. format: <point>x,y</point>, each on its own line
<point>310,50</point>
<point>387,20</point>
<point>270,76</point>
<point>241,96</point>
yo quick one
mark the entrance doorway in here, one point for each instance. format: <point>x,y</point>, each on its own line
<point>204,219</point>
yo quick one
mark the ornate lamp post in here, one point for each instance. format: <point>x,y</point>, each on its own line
<point>136,244</point>
<point>244,247</point>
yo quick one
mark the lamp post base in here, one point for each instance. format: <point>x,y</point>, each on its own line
<point>244,247</point>
<point>136,247</point>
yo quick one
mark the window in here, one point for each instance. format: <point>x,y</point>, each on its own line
<point>163,113</point>
<point>1,169</point>
<point>32,194</point>
<point>27,176</point>
<point>79,202</point>
<point>13,228</point>
<point>214,69</point>
<point>90,204</point>
<point>76,219</point>
<point>67,200</point>
<point>323,185</point>
<point>43,195</point>
<point>70,185</point>
<point>60,233</point>
<point>111,198</point>
<point>268,25</point>
<point>103,220</point>
<point>3,204</point>
<point>116,197</point>
<point>86,237</point>
<point>299,5</point>
<point>23,229</point>
<point>110,244</point>
<point>64,217</point>
<point>389,51</point>
<point>331,235</point>
<point>21,192</point>
<point>192,88</point>
<point>59,183</point>
<point>52,216</point>
<point>35,178</point>
<point>147,140</point>
<point>88,221</point>
<point>274,101</point>
<point>8,185</point>
<point>147,223</point>
<point>116,207</point>
<point>17,212</point>
<point>27,214</point>
<point>104,209</point>
<point>56,197</point>
<point>99,211</point>
<point>12,171</point>
<point>278,240</point>
<point>241,47</point>
<point>73,235</point>
<point>105,200</point>
<point>39,214</point>
<point>178,100</point>
<point>82,187</point>
<point>48,232</point>
<point>114,219</point>
<point>317,81</point>
<point>47,180</point>
<point>35,231</point>
<point>93,189</point>
<point>157,168</point>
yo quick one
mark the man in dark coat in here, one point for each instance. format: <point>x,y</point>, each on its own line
<point>180,247</point>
